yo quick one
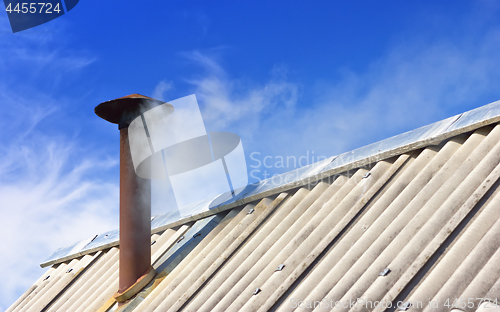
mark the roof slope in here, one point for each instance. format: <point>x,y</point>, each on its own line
<point>419,227</point>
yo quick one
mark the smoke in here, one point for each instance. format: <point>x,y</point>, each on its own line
<point>161,88</point>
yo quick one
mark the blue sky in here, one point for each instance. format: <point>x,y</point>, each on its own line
<point>289,77</point>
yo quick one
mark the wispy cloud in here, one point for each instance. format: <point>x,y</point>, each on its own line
<point>43,52</point>
<point>51,192</point>
<point>44,207</point>
<point>229,101</point>
<point>49,199</point>
<point>414,84</point>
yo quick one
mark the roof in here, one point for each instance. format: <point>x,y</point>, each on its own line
<point>412,221</point>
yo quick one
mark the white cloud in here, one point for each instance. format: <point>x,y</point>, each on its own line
<point>51,192</point>
<point>228,101</point>
<point>48,200</point>
<point>413,85</point>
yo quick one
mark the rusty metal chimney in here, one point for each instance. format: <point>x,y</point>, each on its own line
<point>135,198</point>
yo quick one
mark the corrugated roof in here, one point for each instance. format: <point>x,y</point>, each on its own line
<point>420,228</point>
<point>427,135</point>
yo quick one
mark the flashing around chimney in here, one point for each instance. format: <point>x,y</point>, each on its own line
<point>136,287</point>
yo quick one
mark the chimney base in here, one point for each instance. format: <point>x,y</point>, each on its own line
<point>136,287</point>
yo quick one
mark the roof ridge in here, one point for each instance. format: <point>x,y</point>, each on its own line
<point>431,134</point>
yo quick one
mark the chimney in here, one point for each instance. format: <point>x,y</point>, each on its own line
<point>135,198</point>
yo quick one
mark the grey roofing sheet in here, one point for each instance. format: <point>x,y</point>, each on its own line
<point>428,135</point>
<point>421,229</point>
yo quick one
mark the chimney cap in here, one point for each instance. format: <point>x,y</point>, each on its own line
<point>123,110</point>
